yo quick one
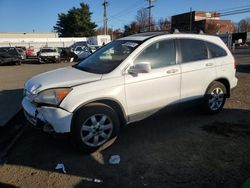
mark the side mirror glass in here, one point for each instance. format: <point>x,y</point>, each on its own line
<point>143,67</point>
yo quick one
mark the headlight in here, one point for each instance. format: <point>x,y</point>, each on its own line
<point>52,96</point>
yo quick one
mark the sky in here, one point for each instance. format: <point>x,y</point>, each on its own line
<point>41,15</point>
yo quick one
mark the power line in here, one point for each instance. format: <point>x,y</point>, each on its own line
<point>126,10</point>
<point>239,11</point>
<point>233,8</point>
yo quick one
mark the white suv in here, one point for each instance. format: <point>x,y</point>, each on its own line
<point>127,80</point>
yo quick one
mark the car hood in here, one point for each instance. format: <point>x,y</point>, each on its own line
<point>63,77</point>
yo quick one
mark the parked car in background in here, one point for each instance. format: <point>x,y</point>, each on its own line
<point>128,80</point>
<point>93,48</point>
<point>78,44</point>
<point>49,55</point>
<point>80,49</point>
<point>66,54</point>
<point>21,51</point>
<point>22,47</point>
<point>82,54</point>
<point>10,55</point>
<point>30,53</point>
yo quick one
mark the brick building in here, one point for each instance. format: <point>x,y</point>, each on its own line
<point>208,22</point>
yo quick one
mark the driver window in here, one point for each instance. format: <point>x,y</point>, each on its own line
<point>159,54</point>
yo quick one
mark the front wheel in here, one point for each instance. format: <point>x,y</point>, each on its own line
<point>93,126</point>
<point>215,97</point>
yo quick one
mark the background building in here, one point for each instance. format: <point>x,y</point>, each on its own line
<point>28,35</point>
<point>195,21</point>
<point>39,40</point>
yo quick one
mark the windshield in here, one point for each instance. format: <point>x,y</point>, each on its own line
<point>108,57</point>
<point>11,51</point>
<point>48,50</point>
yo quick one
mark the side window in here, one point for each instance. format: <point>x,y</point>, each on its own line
<point>215,50</point>
<point>159,54</point>
<point>193,50</point>
<point>78,48</point>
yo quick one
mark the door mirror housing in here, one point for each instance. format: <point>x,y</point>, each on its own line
<point>143,67</point>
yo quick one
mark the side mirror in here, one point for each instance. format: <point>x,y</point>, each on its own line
<point>143,67</point>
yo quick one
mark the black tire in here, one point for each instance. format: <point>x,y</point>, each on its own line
<point>75,58</point>
<point>57,60</point>
<point>83,115</point>
<point>213,105</point>
<point>18,63</point>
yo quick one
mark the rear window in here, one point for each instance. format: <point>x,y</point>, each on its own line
<point>215,50</point>
<point>193,50</point>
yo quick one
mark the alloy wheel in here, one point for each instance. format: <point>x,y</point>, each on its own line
<point>216,99</point>
<point>96,130</point>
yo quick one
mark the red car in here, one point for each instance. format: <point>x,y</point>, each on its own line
<point>30,52</point>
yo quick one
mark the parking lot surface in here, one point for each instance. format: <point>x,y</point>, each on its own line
<point>175,148</point>
<point>12,79</point>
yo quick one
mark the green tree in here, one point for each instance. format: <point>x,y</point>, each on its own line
<point>76,22</point>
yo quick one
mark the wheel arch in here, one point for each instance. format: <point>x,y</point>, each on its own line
<point>225,82</point>
<point>116,105</point>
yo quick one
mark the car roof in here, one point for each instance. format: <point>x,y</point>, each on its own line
<point>7,47</point>
<point>148,35</point>
<point>143,36</point>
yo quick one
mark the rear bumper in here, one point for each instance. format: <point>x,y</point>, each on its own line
<point>234,83</point>
<point>57,118</point>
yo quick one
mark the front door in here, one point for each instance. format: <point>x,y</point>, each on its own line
<point>161,86</point>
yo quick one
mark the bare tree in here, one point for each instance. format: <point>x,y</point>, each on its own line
<point>244,25</point>
<point>142,19</point>
<point>131,28</point>
<point>236,27</point>
<point>164,24</point>
<point>113,33</point>
<point>212,28</point>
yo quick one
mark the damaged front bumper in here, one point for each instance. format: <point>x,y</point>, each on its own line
<point>48,118</point>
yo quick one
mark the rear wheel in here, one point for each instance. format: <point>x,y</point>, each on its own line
<point>215,97</point>
<point>94,125</point>
<point>18,63</point>
<point>58,60</point>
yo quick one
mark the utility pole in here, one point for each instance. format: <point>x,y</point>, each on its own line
<point>191,20</point>
<point>149,13</point>
<point>105,18</point>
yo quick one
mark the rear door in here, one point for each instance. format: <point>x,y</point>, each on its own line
<point>198,71</point>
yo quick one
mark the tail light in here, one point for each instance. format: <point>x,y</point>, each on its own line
<point>235,63</point>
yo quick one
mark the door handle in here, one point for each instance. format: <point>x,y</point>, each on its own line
<point>171,71</point>
<point>209,64</point>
